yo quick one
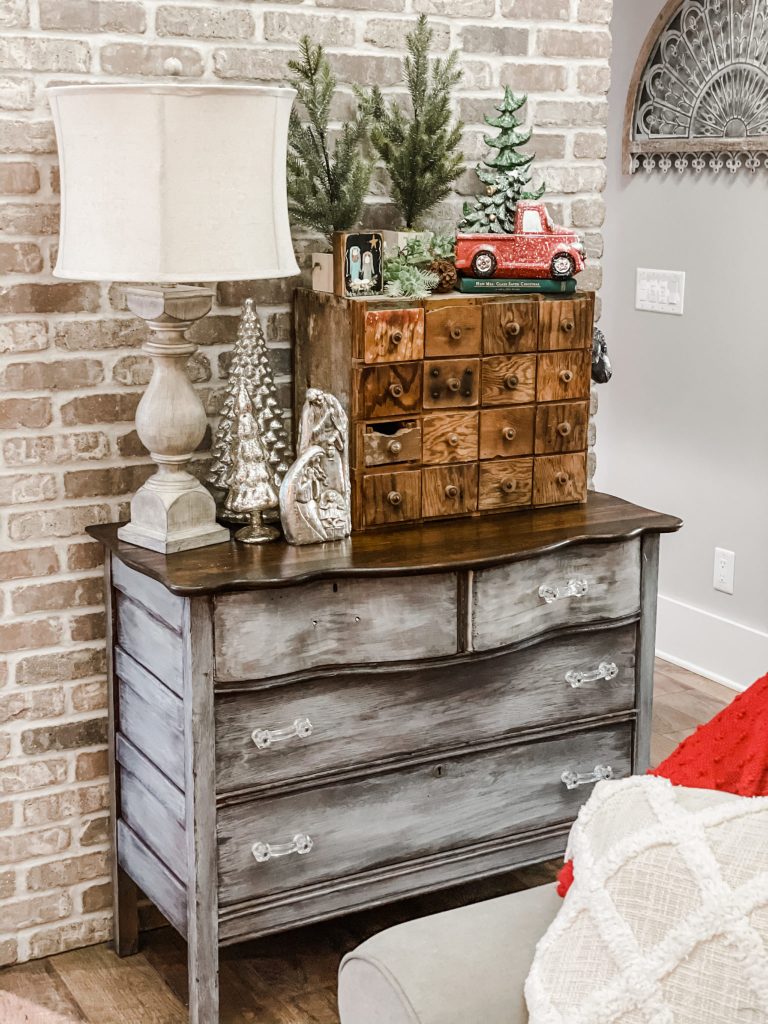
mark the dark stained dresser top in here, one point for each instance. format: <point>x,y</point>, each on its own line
<point>439,546</point>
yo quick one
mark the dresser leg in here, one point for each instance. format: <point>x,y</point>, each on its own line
<point>126,913</point>
<point>203,968</point>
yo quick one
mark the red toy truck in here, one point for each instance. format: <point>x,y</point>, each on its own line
<point>537,249</point>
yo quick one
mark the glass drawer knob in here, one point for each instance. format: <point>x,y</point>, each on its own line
<point>509,433</point>
<point>396,390</point>
<point>453,440</point>
<point>456,333</point>
<point>395,498</point>
<point>396,337</point>
<point>454,384</point>
<point>395,447</point>
<point>512,328</point>
<point>451,491</point>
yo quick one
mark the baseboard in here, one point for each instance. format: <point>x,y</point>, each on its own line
<point>714,647</point>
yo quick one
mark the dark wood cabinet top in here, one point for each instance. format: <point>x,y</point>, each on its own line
<point>431,547</point>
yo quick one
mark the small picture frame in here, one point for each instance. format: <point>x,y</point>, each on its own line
<point>358,270</point>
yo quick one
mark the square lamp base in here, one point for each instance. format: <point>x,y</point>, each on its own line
<point>165,519</point>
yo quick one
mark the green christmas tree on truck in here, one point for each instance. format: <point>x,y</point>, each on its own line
<point>506,173</point>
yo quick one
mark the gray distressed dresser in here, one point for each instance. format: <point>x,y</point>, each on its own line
<point>298,733</point>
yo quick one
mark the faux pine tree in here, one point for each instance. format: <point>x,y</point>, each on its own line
<point>505,172</point>
<point>250,369</point>
<point>420,149</point>
<point>326,186</point>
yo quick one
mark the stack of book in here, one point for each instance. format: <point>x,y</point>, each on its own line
<point>516,286</point>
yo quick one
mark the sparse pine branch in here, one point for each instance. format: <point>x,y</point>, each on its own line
<point>421,148</point>
<point>327,184</point>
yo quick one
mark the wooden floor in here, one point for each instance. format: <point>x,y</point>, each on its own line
<point>290,978</point>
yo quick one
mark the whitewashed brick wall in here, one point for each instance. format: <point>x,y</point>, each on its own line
<point>71,371</point>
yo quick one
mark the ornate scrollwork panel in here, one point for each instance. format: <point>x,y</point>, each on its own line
<point>699,96</point>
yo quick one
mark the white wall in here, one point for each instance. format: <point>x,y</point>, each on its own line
<point>683,426</point>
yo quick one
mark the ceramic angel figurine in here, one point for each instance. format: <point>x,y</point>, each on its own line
<point>315,494</point>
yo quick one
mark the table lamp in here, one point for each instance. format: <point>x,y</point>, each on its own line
<point>173,184</point>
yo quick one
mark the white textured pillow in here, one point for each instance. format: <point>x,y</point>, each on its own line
<point>667,919</point>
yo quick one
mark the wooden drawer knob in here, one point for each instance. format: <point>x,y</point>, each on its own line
<point>512,328</point>
<point>454,384</point>
<point>451,491</point>
<point>566,376</point>
<point>453,440</point>
<point>508,486</point>
<point>564,429</point>
<point>395,498</point>
<point>511,382</point>
<point>396,390</point>
<point>562,479</point>
<point>509,433</point>
<point>455,334</point>
<point>396,337</point>
<point>568,326</point>
<point>394,447</point>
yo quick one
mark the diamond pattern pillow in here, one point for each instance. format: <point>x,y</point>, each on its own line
<point>667,920</point>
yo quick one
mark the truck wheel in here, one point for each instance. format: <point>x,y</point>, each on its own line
<point>562,266</point>
<point>484,264</point>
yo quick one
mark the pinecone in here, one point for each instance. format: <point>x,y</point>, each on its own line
<point>447,278</point>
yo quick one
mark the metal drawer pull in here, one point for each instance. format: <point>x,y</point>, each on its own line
<point>264,738</point>
<point>300,844</point>
<point>573,588</point>
<point>572,780</point>
<point>605,670</point>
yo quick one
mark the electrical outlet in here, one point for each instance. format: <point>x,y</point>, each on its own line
<point>725,568</point>
<point>660,291</point>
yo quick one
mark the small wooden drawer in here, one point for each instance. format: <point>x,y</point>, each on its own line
<point>562,428</point>
<point>566,323</point>
<point>451,383</point>
<point>507,432</point>
<point>391,497</point>
<point>423,810</point>
<point>588,583</point>
<point>329,724</point>
<point>563,375</point>
<point>394,335</point>
<point>453,330</point>
<point>450,437</point>
<point>449,490</point>
<point>267,633</point>
<point>560,479</point>
<point>507,484</point>
<point>510,327</point>
<point>384,444</point>
<point>508,380</point>
<point>389,391</point>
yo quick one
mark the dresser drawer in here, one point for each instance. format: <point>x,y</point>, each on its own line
<point>390,498</point>
<point>329,724</point>
<point>449,490</point>
<point>566,323</point>
<point>269,633</point>
<point>508,432</point>
<point>422,811</point>
<point>508,380</point>
<point>391,391</point>
<point>510,327</point>
<point>562,427</point>
<point>506,484</point>
<point>450,437</point>
<point>394,336</point>
<point>581,584</point>
<point>454,330</point>
<point>451,383</point>
<point>562,376</point>
<point>560,479</point>
<point>386,444</point>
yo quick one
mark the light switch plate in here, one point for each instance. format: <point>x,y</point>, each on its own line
<point>660,291</point>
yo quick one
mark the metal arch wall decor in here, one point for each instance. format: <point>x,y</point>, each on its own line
<point>699,95</point>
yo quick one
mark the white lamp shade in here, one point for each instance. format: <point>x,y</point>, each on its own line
<point>173,183</point>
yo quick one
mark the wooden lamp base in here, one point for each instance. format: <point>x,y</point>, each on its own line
<point>173,511</point>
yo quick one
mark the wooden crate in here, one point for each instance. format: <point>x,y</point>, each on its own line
<point>458,405</point>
